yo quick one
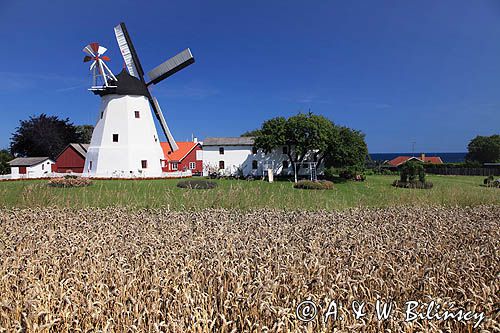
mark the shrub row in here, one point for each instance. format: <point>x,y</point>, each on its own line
<point>69,182</point>
<point>314,185</point>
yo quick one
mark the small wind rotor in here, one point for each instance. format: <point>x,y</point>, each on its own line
<point>98,67</point>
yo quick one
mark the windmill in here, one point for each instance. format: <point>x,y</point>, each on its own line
<point>125,142</point>
<point>98,67</point>
<point>156,75</point>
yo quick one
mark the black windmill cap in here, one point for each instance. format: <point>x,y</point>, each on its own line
<point>126,84</point>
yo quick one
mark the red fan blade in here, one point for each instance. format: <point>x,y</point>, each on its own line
<point>105,58</point>
<point>87,58</point>
<point>95,47</point>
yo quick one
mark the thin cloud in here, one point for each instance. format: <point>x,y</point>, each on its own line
<point>15,81</point>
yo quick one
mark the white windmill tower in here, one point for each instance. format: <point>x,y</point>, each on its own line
<point>125,142</point>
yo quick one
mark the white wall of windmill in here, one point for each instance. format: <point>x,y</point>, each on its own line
<point>137,140</point>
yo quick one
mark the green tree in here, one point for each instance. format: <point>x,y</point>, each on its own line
<point>411,170</point>
<point>346,149</point>
<point>84,133</point>
<point>251,133</point>
<point>484,149</point>
<point>5,157</point>
<point>303,135</point>
<point>313,137</point>
<point>42,136</point>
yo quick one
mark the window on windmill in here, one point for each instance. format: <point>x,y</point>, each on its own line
<point>175,165</point>
<point>102,114</point>
<point>285,164</point>
<point>192,165</point>
<point>221,165</point>
<point>255,164</point>
<point>254,150</point>
<point>285,150</point>
<point>137,114</point>
<point>90,165</point>
<point>144,164</point>
<point>115,137</point>
<point>221,150</point>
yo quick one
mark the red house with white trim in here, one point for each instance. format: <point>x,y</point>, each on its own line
<point>187,157</point>
<point>424,159</point>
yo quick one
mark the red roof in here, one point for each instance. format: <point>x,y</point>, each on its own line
<point>426,159</point>
<point>178,155</point>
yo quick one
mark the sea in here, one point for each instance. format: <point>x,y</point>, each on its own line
<point>446,157</point>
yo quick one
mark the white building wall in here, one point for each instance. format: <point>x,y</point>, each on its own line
<point>34,171</point>
<point>241,157</point>
<point>14,171</point>
<point>137,140</point>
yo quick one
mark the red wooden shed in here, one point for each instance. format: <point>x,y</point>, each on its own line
<point>72,158</point>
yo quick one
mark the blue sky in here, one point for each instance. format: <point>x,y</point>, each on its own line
<point>425,71</point>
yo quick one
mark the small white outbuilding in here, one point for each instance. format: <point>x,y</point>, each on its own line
<point>30,167</point>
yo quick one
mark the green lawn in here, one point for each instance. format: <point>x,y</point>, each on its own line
<point>375,191</point>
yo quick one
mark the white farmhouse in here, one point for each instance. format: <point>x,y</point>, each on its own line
<point>30,167</point>
<point>239,156</point>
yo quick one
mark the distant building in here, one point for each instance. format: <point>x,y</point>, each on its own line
<point>72,158</point>
<point>187,157</point>
<point>239,156</point>
<point>396,162</point>
<point>30,167</point>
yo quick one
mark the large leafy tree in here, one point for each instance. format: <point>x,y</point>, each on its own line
<point>348,149</point>
<point>303,135</point>
<point>5,157</point>
<point>484,149</point>
<point>255,132</point>
<point>43,136</point>
<point>313,137</point>
<point>84,133</point>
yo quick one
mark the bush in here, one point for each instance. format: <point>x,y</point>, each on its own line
<point>198,184</point>
<point>412,170</point>
<point>70,182</point>
<point>314,185</point>
<point>412,184</point>
<point>348,173</point>
<point>492,182</point>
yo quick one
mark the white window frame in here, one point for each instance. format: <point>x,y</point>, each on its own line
<point>192,165</point>
<point>174,165</point>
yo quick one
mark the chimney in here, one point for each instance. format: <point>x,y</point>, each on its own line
<point>195,140</point>
<point>422,157</point>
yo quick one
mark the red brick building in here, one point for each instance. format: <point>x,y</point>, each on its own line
<point>187,157</point>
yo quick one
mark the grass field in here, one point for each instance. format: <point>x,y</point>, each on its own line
<point>375,192</point>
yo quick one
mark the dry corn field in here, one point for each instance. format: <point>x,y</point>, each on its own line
<point>117,270</point>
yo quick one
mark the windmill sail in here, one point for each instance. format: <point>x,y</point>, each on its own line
<point>128,52</point>
<point>163,124</point>
<point>171,66</point>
